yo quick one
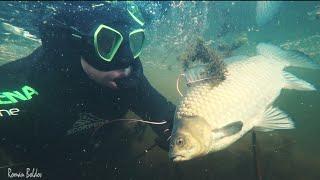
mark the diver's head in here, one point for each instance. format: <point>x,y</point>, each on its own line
<point>108,37</point>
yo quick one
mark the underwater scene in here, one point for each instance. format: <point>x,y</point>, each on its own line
<point>161,90</point>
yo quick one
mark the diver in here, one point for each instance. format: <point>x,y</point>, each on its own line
<point>87,66</point>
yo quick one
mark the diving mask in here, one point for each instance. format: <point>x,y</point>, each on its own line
<point>107,38</point>
<point>99,34</point>
<point>107,41</point>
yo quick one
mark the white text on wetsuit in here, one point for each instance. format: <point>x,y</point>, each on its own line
<point>9,112</point>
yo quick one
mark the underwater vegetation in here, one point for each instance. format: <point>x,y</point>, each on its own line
<point>228,48</point>
<point>200,55</point>
<point>204,61</point>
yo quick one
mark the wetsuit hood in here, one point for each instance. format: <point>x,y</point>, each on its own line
<point>62,30</point>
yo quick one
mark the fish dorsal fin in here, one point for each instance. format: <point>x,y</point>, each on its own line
<point>233,59</point>
<point>287,57</point>
<point>292,82</point>
<point>228,130</point>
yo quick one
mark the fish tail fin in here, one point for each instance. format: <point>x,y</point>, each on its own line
<point>274,118</point>
<point>287,57</point>
<point>292,82</point>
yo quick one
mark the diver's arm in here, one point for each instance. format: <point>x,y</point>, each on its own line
<point>149,104</point>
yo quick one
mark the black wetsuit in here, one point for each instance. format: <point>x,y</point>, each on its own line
<point>43,95</point>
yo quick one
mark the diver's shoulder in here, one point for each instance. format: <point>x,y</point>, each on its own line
<point>18,71</point>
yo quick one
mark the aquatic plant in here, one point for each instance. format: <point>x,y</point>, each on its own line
<point>199,55</point>
<point>227,48</point>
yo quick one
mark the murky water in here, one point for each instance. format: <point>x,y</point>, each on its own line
<point>286,154</point>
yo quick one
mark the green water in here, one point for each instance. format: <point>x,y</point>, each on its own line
<point>287,154</point>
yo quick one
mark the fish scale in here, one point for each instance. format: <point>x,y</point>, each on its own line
<point>244,94</point>
<point>241,75</point>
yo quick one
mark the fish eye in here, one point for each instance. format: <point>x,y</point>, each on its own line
<point>180,141</point>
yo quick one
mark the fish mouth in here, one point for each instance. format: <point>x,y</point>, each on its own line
<point>178,158</point>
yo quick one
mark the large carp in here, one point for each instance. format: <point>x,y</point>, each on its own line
<point>212,117</point>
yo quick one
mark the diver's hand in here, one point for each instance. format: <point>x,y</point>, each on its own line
<point>105,78</point>
<point>135,78</point>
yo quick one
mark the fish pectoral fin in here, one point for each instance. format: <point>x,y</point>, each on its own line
<point>228,130</point>
<point>292,82</point>
<point>274,118</point>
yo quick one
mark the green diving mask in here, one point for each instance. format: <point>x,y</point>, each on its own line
<point>107,41</point>
<point>119,26</point>
<point>135,13</point>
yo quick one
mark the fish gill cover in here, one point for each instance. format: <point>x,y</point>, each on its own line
<point>201,62</point>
